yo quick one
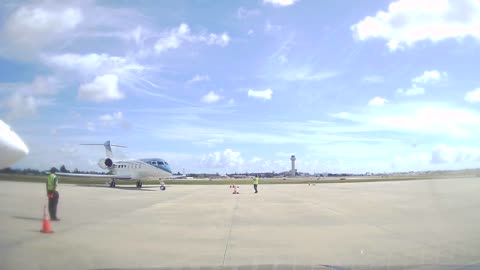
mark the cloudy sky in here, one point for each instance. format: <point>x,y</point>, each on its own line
<point>225,86</point>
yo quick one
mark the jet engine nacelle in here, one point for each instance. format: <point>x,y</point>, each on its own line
<point>105,163</point>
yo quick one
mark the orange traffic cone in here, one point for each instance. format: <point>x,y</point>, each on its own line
<point>46,222</point>
<point>235,189</point>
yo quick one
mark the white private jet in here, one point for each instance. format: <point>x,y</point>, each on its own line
<point>12,148</point>
<point>134,170</point>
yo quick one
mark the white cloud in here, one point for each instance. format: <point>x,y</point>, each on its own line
<point>20,105</point>
<point>280,3</point>
<point>342,115</point>
<point>92,64</point>
<point>445,154</point>
<point>243,13</point>
<point>210,142</point>
<point>40,86</point>
<point>419,118</point>
<point>90,126</point>
<point>283,59</point>
<point>409,21</point>
<point>265,94</point>
<point>43,86</point>
<point>413,160</point>
<point>377,101</point>
<point>102,88</point>
<point>307,75</point>
<point>111,117</point>
<point>216,39</point>
<point>429,76</point>
<point>26,98</point>
<point>114,119</point>
<point>272,27</point>
<point>414,91</point>
<point>174,38</point>
<point>473,96</point>
<point>372,79</point>
<point>281,54</point>
<point>211,97</point>
<point>32,27</point>
<point>227,159</point>
<point>255,159</point>
<point>137,35</point>
<point>231,101</point>
<point>250,32</point>
<point>198,78</point>
<point>104,70</point>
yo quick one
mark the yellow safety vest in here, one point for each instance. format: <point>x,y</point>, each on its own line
<point>52,182</point>
<point>255,181</point>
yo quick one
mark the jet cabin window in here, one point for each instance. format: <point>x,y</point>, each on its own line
<point>161,163</point>
<point>154,163</point>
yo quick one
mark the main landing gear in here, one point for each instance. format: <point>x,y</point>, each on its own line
<point>112,183</point>
<point>139,184</point>
<point>162,185</point>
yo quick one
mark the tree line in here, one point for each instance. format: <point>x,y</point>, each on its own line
<point>29,171</point>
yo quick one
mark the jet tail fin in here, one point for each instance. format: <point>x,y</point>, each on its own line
<point>108,147</point>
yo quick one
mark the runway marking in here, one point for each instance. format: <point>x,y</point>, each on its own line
<point>235,207</point>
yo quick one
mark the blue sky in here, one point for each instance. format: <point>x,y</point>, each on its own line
<point>239,86</point>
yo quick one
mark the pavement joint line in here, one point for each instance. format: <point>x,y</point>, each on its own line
<point>235,207</point>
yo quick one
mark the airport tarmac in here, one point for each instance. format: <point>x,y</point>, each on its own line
<point>380,224</point>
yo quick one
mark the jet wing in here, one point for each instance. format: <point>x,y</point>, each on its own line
<point>109,176</point>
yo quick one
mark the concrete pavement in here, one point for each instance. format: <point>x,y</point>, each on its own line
<point>381,224</point>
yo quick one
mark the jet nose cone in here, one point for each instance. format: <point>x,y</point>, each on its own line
<point>12,149</point>
<point>18,145</point>
<point>23,148</point>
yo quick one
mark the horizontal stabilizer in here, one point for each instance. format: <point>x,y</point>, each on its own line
<point>108,147</point>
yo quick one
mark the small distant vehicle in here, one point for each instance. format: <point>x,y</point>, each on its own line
<point>12,147</point>
<point>130,170</point>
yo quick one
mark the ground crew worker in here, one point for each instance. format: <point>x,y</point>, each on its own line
<point>52,194</point>
<point>255,183</point>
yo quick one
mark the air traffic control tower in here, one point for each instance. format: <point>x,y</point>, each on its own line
<point>293,171</point>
